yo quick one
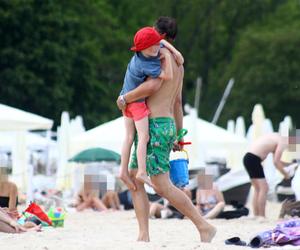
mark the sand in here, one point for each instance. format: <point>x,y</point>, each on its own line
<point>118,230</point>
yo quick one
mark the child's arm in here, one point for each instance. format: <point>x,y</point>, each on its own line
<point>167,73</point>
<point>178,56</point>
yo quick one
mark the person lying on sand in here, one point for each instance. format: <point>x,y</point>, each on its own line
<point>8,224</point>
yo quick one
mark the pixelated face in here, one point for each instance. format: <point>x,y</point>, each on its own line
<point>294,141</point>
<point>205,181</point>
<point>3,174</point>
<point>152,51</point>
<point>97,183</point>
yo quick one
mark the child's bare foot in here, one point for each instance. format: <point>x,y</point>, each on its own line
<point>144,179</point>
<point>128,182</point>
<point>208,234</point>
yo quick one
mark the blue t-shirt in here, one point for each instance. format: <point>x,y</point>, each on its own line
<point>138,69</point>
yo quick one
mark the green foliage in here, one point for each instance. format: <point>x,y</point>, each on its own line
<point>60,55</point>
<point>266,67</point>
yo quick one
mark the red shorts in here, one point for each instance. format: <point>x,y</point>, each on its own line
<point>136,110</point>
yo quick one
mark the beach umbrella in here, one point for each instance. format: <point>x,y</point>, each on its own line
<point>240,128</point>
<point>63,174</point>
<point>231,126</point>
<point>96,155</point>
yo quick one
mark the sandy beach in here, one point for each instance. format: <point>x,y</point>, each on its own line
<point>118,230</point>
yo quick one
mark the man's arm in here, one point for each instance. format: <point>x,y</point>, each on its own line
<point>178,113</point>
<point>146,89</point>
<point>278,163</point>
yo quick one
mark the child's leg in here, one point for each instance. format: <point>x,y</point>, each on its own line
<point>142,127</point>
<point>126,147</point>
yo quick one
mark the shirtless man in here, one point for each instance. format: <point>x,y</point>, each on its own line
<point>258,152</point>
<point>165,118</point>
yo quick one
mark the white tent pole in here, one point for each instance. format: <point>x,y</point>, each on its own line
<point>48,163</point>
<point>223,101</point>
<point>197,94</point>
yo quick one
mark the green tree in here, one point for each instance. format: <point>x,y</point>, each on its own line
<point>60,55</point>
<point>266,66</point>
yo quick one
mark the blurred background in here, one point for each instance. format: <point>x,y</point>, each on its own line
<point>66,60</point>
<point>72,55</point>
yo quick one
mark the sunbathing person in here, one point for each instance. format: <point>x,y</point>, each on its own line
<point>156,208</point>
<point>8,224</point>
<point>8,192</point>
<point>111,200</point>
<point>209,200</point>
<point>88,196</point>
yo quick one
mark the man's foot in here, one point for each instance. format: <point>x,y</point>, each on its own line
<point>128,182</point>
<point>143,237</point>
<point>144,179</point>
<point>208,233</point>
<point>261,219</point>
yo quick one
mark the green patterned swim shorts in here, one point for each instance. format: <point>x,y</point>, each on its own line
<point>162,132</point>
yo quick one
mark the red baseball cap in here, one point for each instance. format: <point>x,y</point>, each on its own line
<point>145,38</point>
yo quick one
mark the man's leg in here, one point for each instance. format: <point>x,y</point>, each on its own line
<point>179,200</point>
<point>141,207</point>
<point>255,197</point>
<point>262,195</point>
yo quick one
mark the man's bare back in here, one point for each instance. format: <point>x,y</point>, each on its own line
<point>161,103</point>
<point>267,144</point>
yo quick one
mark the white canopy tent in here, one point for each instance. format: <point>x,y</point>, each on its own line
<point>68,128</point>
<point>213,141</point>
<point>207,140</point>
<point>12,119</point>
<point>33,141</point>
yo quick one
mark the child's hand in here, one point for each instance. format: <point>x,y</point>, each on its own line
<point>13,214</point>
<point>121,104</point>
<point>178,58</point>
<point>163,52</point>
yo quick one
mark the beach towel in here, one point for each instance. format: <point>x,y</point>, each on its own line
<point>287,232</point>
